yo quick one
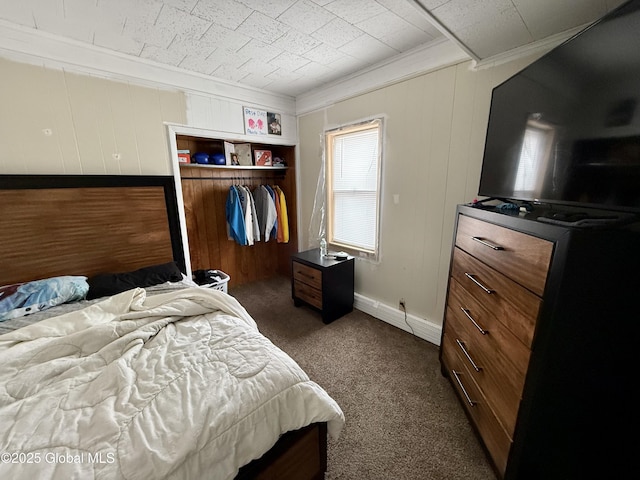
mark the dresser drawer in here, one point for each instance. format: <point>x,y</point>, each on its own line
<point>484,326</point>
<point>305,274</point>
<point>307,293</point>
<point>519,256</point>
<point>493,435</point>
<point>509,302</point>
<point>500,382</point>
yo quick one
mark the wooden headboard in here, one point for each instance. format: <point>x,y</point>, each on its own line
<point>54,225</point>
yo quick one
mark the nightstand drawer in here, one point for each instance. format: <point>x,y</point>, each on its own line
<point>305,274</point>
<point>307,293</point>
<point>521,257</point>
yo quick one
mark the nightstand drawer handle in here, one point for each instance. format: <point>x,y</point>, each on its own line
<point>475,324</point>
<point>464,390</point>
<point>487,244</point>
<point>466,354</point>
<point>472,278</point>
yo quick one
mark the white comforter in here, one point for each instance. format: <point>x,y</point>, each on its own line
<point>176,385</point>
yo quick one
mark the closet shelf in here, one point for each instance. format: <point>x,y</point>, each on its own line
<point>232,167</point>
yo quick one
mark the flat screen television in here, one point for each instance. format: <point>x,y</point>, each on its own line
<point>566,129</point>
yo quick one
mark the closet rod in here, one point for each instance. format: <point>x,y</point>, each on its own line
<point>232,178</point>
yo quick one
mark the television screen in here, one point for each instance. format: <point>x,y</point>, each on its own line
<point>566,129</point>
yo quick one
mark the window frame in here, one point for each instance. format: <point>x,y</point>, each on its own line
<point>329,136</point>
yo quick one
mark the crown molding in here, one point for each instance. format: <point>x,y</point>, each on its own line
<point>415,62</point>
<point>27,45</point>
<point>35,47</point>
<point>539,47</point>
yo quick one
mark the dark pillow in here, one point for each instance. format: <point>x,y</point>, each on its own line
<point>112,283</point>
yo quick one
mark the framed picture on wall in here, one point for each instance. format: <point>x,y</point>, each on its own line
<point>255,121</point>
<point>274,124</point>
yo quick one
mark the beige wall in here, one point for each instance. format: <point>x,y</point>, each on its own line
<point>90,120</point>
<point>435,129</point>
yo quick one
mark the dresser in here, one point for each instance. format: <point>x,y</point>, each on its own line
<point>323,283</point>
<point>536,340</point>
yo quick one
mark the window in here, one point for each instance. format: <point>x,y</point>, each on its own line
<point>353,165</point>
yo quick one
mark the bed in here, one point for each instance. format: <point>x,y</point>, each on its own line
<point>168,380</point>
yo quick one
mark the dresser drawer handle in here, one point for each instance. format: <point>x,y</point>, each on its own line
<point>487,244</point>
<point>466,354</point>
<point>472,278</point>
<point>475,324</point>
<point>464,390</point>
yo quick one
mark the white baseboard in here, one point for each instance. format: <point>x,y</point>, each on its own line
<point>419,327</point>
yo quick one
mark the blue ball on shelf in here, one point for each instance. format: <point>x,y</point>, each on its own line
<point>201,157</point>
<point>217,159</point>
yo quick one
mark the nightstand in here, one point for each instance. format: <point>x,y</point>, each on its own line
<point>323,283</point>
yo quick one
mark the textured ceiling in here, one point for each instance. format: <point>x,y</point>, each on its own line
<point>295,46</point>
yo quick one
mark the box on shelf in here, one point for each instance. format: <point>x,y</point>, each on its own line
<point>184,156</point>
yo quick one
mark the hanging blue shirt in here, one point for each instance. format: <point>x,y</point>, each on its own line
<point>235,217</point>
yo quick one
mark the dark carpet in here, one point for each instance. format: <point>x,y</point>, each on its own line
<point>403,420</point>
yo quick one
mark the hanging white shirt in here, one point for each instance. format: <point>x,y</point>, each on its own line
<point>266,209</point>
<point>254,215</point>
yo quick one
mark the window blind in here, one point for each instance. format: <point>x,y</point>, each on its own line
<point>355,179</point>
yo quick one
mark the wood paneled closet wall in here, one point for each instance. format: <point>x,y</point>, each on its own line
<point>205,189</point>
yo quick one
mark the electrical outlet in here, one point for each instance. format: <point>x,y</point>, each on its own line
<point>401,305</point>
